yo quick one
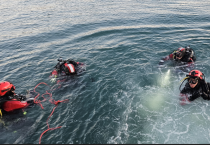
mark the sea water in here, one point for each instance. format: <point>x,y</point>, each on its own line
<point>123,97</point>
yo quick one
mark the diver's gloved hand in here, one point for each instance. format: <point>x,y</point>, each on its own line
<point>21,97</point>
<point>184,99</point>
<point>205,96</point>
<point>10,97</point>
<point>53,80</point>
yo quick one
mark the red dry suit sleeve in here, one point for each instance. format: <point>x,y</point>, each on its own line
<point>171,56</point>
<point>168,57</point>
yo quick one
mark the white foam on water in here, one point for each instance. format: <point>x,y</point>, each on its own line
<point>169,122</point>
<point>152,100</point>
<point>154,115</point>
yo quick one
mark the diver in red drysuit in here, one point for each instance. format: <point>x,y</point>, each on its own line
<point>9,100</point>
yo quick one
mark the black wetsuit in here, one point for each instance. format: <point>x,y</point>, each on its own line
<point>200,90</point>
<point>189,57</point>
<point>3,99</point>
<point>60,67</point>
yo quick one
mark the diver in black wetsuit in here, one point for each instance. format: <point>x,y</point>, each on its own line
<point>195,87</point>
<point>67,66</point>
<point>182,55</point>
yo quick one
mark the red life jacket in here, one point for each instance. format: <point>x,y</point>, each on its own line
<point>70,67</point>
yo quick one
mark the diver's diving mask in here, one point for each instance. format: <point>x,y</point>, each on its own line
<point>193,81</point>
<point>179,54</point>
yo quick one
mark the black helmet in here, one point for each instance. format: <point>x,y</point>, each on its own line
<point>60,59</point>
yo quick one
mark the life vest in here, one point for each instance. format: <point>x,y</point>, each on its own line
<point>6,87</point>
<point>13,105</point>
<point>70,68</point>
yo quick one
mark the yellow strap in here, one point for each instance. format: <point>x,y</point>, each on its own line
<point>1,121</point>
<point>184,79</point>
<point>174,54</point>
<point>0,113</point>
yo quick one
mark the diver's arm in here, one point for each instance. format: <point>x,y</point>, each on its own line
<point>190,98</point>
<point>184,99</point>
<point>186,89</point>
<point>190,63</point>
<point>184,94</point>
<point>168,57</point>
<point>206,95</point>
<point>189,56</point>
<point>57,65</point>
<point>188,59</point>
<point>19,97</point>
<point>192,55</point>
<point>60,66</point>
<point>194,58</point>
<point>195,93</point>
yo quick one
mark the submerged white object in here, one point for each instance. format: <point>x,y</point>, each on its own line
<point>165,79</point>
<point>156,100</point>
<point>53,80</point>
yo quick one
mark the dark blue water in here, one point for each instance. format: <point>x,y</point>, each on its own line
<point>123,97</point>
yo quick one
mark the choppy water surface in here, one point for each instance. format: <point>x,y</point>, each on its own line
<point>122,97</point>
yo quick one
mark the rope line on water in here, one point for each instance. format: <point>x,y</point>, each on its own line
<point>51,100</point>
